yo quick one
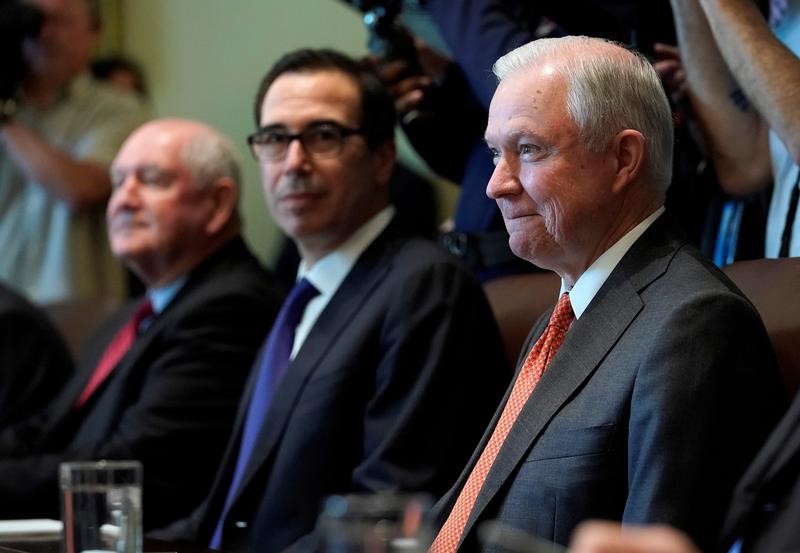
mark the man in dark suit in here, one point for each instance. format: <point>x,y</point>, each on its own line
<point>170,400</point>
<point>665,384</point>
<point>34,360</point>
<point>762,517</point>
<point>396,363</point>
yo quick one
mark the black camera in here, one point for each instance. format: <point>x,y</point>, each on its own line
<point>18,21</point>
<point>387,37</point>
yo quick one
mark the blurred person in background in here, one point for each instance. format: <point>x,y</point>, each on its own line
<point>59,131</point>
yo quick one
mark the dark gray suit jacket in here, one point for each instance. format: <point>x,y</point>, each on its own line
<point>390,391</point>
<point>660,395</point>
<point>170,401</point>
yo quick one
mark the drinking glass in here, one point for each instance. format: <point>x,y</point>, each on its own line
<point>102,506</point>
<point>376,523</point>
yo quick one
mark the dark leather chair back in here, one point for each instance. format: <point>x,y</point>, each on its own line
<point>773,285</point>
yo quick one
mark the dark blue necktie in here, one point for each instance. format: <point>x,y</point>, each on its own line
<point>272,368</point>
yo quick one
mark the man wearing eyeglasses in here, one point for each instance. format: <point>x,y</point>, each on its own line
<point>396,364</point>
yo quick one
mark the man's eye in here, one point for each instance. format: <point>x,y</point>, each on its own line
<point>323,134</point>
<point>529,150</point>
<point>274,138</point>
<point>155,177</point>
<point>117,178</point>
<point>150,176</point>
<point>495,153</point>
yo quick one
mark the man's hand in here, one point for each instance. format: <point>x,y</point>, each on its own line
<point>408,88</point>
<point>670,68</point>
<point>611,537</point>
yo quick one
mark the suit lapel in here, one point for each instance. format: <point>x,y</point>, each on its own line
<point>587,343</point>
<point>136,355</point>
<point>370,269</point>
<point>66,401</point>
<point>224,476</point>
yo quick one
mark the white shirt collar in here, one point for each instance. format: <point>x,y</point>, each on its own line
<point>328,273</point>
<point>587,285</point>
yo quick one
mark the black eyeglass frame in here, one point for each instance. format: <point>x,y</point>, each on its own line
<point>342,130</point>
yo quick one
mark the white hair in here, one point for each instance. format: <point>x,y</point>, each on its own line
<point>209,156</point>
<point>609,89</point>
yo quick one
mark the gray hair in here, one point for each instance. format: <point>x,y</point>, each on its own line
<point>606,92</point>
<point>209,156</point>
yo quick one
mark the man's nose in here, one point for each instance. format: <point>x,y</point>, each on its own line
<point>296,156</point>
<point>503,180</point>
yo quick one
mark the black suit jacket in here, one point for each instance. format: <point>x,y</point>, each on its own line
<point>390,391</point>
<point>659,397</point>
<point>34,360</point>
<point>170,402</point>
<point>765,511</point>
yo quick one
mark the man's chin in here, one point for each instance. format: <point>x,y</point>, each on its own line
<point>298,228</point>
<point>125,250</point>
<point>526,248</point>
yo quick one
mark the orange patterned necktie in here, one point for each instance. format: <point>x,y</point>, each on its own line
<point>535,364</point>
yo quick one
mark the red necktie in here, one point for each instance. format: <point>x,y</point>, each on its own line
<point>115,350</point>
<point>535,364</point>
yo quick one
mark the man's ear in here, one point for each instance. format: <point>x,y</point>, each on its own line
<point>224,197</point>
<point>630,150</point>
<point>384,156</point>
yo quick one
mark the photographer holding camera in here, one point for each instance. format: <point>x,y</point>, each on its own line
<point>59,130</point>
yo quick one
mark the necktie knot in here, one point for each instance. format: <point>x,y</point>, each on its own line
<point>142,314</point>
<point>562,316</point>
<point>297,300</point>
<point>116,350</point>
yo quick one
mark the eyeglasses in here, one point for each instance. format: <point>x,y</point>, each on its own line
<point>319,140</point>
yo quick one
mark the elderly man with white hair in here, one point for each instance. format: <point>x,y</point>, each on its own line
<point>653,383</point>
<point>160,381</point>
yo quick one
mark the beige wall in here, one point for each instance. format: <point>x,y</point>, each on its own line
<point>204,59</point>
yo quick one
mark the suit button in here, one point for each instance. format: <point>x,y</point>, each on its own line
<point>768,507</point>
<point>240,524</point>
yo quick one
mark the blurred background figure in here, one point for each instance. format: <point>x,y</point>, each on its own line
<point>743,74</point>
<point>120,72</point>
<point>59,130</point>
<point>124,74</point>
